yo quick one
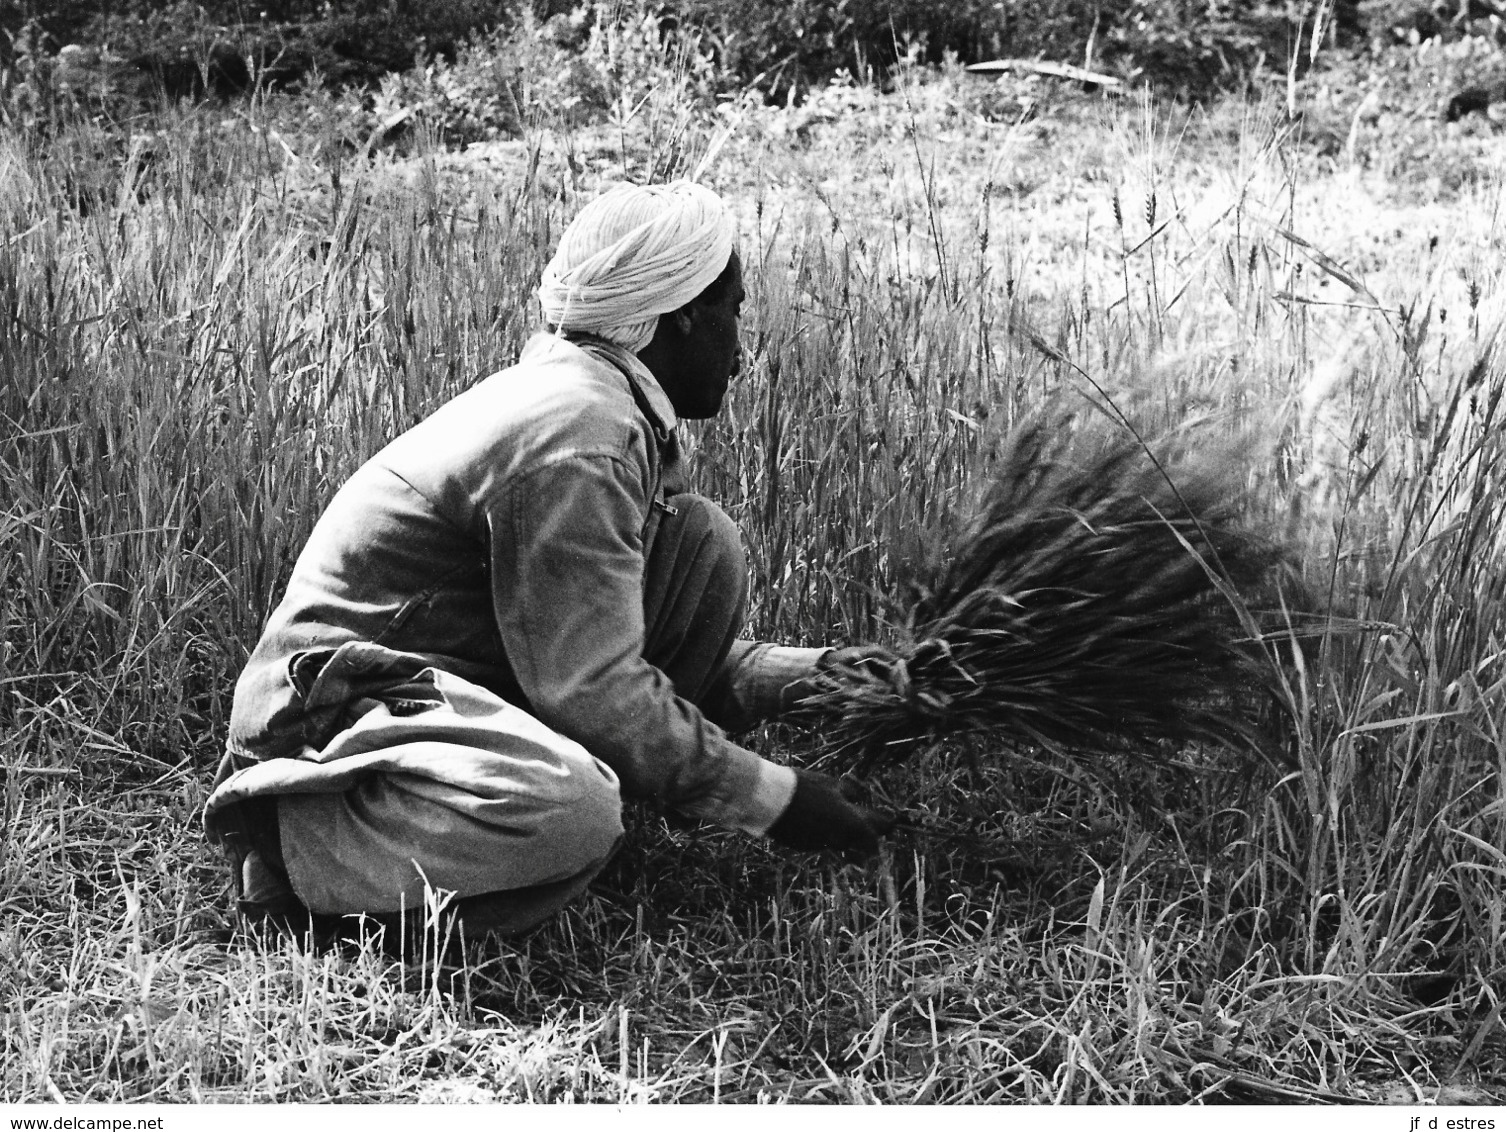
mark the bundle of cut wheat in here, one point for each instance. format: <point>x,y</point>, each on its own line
<point>1097,596</point>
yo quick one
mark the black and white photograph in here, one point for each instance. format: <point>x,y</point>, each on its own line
<point>629,553</point>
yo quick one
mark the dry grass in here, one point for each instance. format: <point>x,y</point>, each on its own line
<point>197,358</point>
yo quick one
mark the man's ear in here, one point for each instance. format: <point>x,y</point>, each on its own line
<point>684,320</point>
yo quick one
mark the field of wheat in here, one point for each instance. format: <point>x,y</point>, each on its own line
<point>205,329</point>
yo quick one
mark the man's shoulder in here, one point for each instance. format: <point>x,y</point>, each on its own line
<point>555,400</point>
<point>557,393</point>
<point>564,377</point>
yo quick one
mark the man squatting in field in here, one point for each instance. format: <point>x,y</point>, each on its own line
<point>514,616</point>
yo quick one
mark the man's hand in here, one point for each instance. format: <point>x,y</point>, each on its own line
<point>826,813</point>
<point>874,661</point>
<point>869,658</point>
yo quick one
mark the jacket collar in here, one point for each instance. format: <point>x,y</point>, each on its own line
<point>647,391</point>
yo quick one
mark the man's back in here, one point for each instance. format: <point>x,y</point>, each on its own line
<point>404,555</point>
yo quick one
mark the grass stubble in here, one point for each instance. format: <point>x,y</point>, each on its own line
<point>194,358</point>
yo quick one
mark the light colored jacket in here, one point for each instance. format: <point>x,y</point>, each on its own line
<point>502,540</point>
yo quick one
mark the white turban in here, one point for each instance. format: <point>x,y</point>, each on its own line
<point>632,254</point>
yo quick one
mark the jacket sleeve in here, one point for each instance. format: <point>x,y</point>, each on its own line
<point>567,589</point>
<point>759,681</point>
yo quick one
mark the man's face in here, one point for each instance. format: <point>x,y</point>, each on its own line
<point>709,355</point>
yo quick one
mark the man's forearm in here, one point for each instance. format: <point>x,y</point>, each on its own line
<point>758,682</point>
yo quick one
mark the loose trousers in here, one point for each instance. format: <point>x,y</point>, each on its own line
<point>473,796</point>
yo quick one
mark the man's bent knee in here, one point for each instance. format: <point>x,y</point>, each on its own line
<point>699,537</point>
<point>695,593</point>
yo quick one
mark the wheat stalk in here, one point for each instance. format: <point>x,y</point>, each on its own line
<point>1095,595</point>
